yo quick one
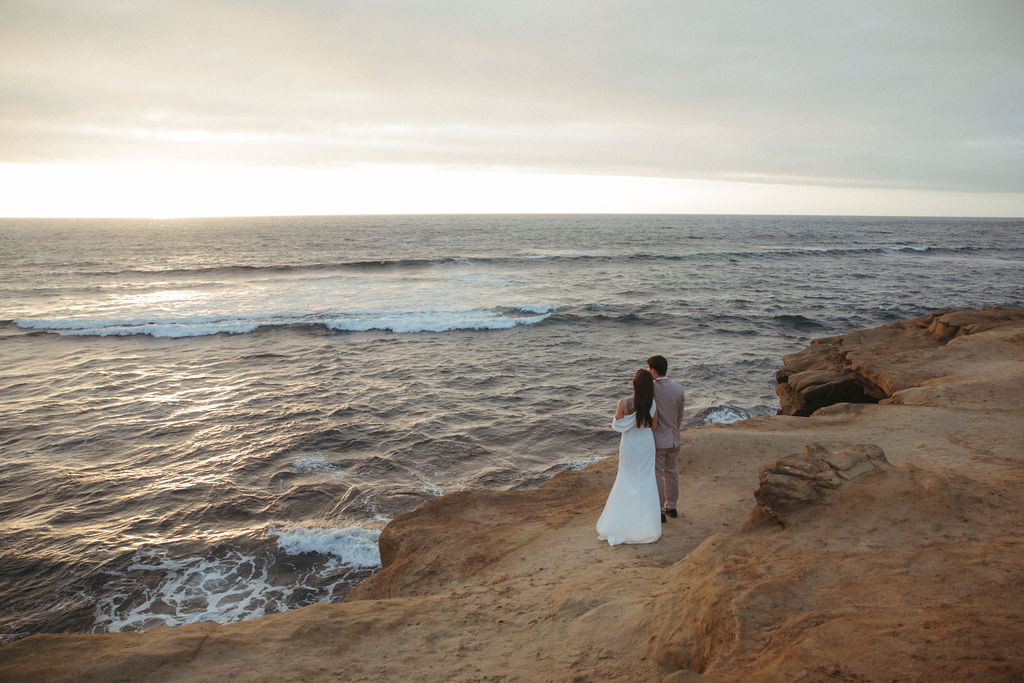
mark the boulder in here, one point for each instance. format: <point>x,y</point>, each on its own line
<point>812,477</point>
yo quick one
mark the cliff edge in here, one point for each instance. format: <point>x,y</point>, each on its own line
<point>879,538</point>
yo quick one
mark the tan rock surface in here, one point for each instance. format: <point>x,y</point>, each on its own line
<point>911,572</point>
<point>870,365</point>
<point>812,478</point>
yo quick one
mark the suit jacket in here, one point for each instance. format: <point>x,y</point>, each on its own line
<point>670,399</point>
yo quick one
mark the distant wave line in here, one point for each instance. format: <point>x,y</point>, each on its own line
<point>501,317</point>
<point>498,318</point>
<point>397,264</point>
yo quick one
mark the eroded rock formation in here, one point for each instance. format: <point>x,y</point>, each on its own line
<point>868,366</point>
<point>820,376</point>
<point>813,476</point>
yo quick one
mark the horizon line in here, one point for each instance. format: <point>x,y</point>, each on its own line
<point>501,213</point>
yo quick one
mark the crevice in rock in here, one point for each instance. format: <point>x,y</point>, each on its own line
<point>842,384</point>
<point>868,366</point>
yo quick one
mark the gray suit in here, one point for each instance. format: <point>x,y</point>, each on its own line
<point>670,399</point>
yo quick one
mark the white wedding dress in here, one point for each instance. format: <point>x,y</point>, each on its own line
<point>632,513</point>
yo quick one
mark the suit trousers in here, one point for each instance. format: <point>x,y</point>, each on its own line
<point>666,471</point>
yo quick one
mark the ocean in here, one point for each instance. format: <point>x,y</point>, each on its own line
<point>214,418</point>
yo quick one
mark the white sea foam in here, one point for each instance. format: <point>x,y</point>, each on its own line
<point>230,586</point>
<point>225,589</point>
<point>176,327</point>
<point>457,296</point>
<point>555,253</point>
<point>580,464</point>
<point>538,309</point>
<point>356,546</point>
<point>432,489</point>
<point>500,318</point>
<point>313,463</point>
<point>435,321</point>
<point>724,415</point>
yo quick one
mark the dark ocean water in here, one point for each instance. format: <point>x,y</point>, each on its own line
<point>213,419</point>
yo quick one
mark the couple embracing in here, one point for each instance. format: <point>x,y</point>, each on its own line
<point>647,484</point>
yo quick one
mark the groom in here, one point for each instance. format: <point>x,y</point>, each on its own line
<point>670,399</point>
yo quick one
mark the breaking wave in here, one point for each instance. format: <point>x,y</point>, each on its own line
<point>306,565</point>
<point>400,322</point>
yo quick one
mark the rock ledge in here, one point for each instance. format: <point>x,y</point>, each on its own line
<point>869,366</point>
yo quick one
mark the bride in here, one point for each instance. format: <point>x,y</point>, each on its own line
<point>632,513</point>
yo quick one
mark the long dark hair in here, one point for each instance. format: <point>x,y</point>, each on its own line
<point>643,397</point>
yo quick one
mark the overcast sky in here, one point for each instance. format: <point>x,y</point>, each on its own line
<point>920,98</point>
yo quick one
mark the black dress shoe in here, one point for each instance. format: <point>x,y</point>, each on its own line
<point>671,513</point>
<point>663,520</point>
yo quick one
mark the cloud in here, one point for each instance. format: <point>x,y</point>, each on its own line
<point>922,95</point>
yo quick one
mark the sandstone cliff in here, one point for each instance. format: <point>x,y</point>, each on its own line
<point>875,540</point>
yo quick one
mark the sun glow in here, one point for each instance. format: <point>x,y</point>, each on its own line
<point>170,191</point>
